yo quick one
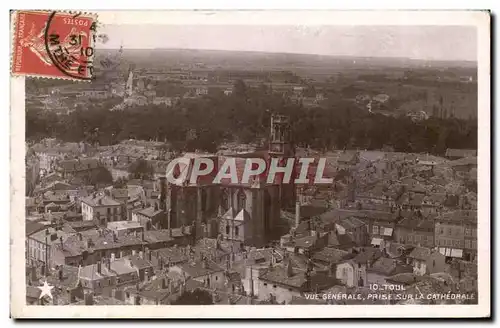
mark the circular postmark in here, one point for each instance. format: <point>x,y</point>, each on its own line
<point>69,42</point>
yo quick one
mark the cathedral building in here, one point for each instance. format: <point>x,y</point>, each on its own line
<point>241,211</point>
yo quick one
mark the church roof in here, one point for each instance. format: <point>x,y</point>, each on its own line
<point>242,216</point>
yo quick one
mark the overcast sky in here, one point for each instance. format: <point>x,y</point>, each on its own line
<point>417,42</point>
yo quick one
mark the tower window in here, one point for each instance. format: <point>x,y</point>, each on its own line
<point>225,201</point>
<point>241,200</point>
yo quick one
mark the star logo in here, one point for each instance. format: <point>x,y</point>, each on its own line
<point>46,290</point>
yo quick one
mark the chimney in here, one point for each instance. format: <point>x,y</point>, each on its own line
<point>89,298</point>
<point>289,269</point>
<point>297,214</point>
<point>164,283</point>
<point>99,268</point>
<point>163,193</point>
<point>204,262</point>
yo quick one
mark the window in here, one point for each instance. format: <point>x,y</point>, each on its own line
<point>108,210</point>
<point>241,200</point>
<point>115,210</point>
<point>216,278</point>
<point>227,230</point>
<point>265,284</point>
<point>274,286</point>
<point>236,231</point>
<point>375,230</point>
<point>467,243</point>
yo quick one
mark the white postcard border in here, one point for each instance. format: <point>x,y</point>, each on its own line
<point>481,20</point>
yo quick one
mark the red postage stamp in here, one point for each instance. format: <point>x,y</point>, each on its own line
<point>53,44</point>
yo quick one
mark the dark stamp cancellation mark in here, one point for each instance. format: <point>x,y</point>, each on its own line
<point>54,44</point>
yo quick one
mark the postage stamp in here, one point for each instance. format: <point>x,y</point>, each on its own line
<point>251,164</point>
<point>53,44</point>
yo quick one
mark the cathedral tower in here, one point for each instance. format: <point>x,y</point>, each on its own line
<point>280,143</point>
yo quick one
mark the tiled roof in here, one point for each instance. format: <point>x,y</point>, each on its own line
<point>149,212</point>
<point>100,200</point>
<point>69,277</point>
<point>367,254</point>
<point>82,164</point>
<point>32,227</point>
<point>342,241</point>
<point>350,223</point>
<point>384,266</point>
<point>173,254</point>
<point>102,300</point>
<point>197,269</point>
<point>330,255</point>
<point>420,253</point>
<point>157,236</point>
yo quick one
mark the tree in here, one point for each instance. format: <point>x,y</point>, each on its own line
<point>195,297</point>
<point>99,176</point>
<point>140,169</point>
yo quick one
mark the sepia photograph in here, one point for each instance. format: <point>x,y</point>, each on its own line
<point>327,160</point>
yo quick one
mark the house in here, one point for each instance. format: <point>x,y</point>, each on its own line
<point>341,241</point>
<point>330,256</point>
<point>81,167</point>
<point>281,284</point>
<point>463,166</point>
<point>157,239</point>
<point>426,261</point>
<point>96,246</point>
<point>203,270</point>
<point>352,272</point>
<point>122,228</point>
<point>348,159</point>
<point>452,231</point>
<point>67,288</point>
<point>353,227</point>
<point>304,244</point>
<point>102,208</point>
<point>170,256</point>
<point>112,273</point>
<point>415,231</point>
<point>162,290</point>
<point>453,154</point>
<point>385,267</point>
<point>380,224</point>
<point>150,217</point>
<point>40,246</point>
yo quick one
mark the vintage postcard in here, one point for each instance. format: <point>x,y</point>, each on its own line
<point>269,164</point>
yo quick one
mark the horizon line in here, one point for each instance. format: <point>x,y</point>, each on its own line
<point>303,54</point>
